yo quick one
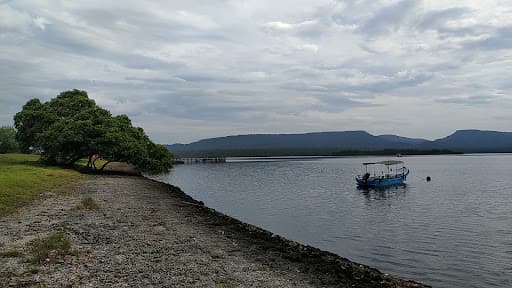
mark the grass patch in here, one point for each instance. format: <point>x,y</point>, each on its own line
<point>82,163</point>
<point>225,283</point>
<point>88,203</point>
<point>39,285</point>
<point>23,177</point>
<point>51,247</point>
<point>10,254</point>
<point>32,271</point>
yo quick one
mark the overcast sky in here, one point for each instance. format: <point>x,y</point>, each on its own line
<point>187,70</point>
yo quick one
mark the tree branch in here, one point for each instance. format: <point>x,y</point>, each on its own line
<point>104,165</point>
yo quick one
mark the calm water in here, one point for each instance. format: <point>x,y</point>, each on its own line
<point>455,231</point>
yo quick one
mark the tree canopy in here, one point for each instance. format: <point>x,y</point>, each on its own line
<point>71,127</point>
<point>8,141</point>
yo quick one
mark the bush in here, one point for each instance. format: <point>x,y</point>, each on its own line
<point>8,143</point>
<point>88,203</point>
<point>57,243</point>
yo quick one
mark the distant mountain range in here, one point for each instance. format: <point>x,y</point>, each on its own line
<point>329,143</point>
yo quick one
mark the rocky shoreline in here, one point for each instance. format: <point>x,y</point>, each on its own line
<point>150,234</point>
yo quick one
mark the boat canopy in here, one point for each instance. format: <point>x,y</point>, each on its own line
<point>386,162</point>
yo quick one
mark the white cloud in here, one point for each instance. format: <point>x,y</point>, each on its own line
<point>41,22</point>
<point>186,18</point>
<point>311,47</point>
<point>282,26</point>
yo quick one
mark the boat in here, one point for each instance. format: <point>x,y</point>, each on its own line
<point>392,175</point>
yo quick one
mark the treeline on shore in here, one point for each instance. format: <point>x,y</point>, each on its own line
<point>389,152</point>
<point>310,152</point>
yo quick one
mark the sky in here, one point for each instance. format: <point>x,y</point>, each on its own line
<point>188,70</point>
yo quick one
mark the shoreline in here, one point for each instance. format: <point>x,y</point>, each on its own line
<point>322,261</point>
<point>149,233</point>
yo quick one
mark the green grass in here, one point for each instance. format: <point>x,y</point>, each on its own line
<point>23,178</point>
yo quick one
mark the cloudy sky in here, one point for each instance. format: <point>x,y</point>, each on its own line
<point>187,70</point>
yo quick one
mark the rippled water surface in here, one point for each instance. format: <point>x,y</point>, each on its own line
<point>455,231</point>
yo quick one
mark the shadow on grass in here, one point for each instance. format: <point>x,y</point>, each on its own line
<point>115,168</point>
<point>21,159</point>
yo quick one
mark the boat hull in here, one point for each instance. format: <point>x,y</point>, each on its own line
<point>396,177</point>
<point>381,182</point>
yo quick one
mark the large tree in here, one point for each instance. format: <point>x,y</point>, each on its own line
<point>71,127</point>
<point>8,141</point>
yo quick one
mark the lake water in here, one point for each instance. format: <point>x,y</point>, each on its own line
<point>455,231</point>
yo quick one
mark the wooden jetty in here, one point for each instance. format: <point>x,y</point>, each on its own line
<point>200,160</point>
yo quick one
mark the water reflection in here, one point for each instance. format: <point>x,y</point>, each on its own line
<point>383,193</point>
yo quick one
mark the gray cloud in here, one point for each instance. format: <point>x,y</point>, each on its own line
<point>390,17</point>
<point>438,18</point>
<point>500,40</point>
<point>470,100</point>
<point>195,69</point>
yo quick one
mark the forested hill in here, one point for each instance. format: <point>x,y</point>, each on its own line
<point>475,141</point>
<point>338,143</point>
<point>348,139</point>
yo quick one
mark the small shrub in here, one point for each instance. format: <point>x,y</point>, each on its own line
<point>57,243</point>
<point>88,203</point>
<point>32,271</point>
<point>225,283</point>
<point>39,285</point>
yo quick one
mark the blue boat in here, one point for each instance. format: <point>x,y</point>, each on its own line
<point>393,174</point>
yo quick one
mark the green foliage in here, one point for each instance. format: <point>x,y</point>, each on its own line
<point>23,177</point>
<point>57,243</point>
<point>387,152</point>
<point>8,143</point>
<point>71,126</point>
<point>31,122</point>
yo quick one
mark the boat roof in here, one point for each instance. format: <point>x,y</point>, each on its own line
<point>385,162</point>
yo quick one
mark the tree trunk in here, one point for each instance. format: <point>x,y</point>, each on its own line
<point>89,163</point>
<point>104,165</point>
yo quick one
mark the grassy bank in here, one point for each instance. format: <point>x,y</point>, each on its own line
<point>23,178</point>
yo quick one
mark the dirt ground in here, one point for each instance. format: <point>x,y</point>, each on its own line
<point>150,234</point>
